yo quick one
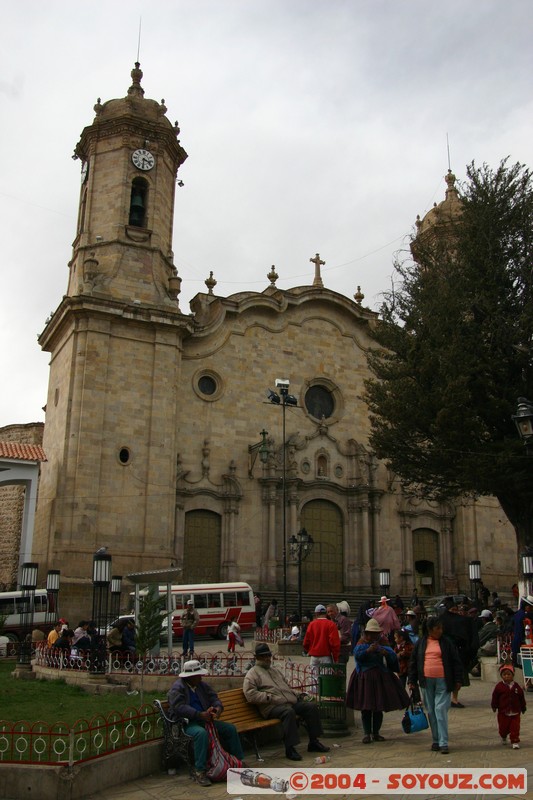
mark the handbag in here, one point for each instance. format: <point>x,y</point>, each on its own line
<point>218,760</point>
<point>415,719</point>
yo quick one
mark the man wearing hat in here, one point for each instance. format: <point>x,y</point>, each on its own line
<point>266,687</point>
<point>192,699</point>
<point>189,620</point>
<point>322,641</point>
<point>386,616</point>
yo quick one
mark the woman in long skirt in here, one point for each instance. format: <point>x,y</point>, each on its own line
<point>374,687</point>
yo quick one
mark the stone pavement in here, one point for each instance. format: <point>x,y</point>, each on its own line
<point>474,743</point>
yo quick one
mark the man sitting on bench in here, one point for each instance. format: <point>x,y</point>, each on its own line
<point>193,699</point>
<point>266,688</point>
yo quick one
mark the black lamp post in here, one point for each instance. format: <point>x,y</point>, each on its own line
<point>300,547</point>
<point>116,588</point>
<point>523,419</point>
<point>52,592</point>
<point>527,568</point>
<point>28,584</point>
<point>474,573</point>
<point>101,581</point>
<point>384,581</point>
<point>284,399</point>
<point>100,614</point>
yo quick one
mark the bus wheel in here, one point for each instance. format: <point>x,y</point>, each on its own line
<point>222,631</point>
<point>11,636</point>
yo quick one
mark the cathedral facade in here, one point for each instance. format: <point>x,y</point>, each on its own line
<point>161,441</point>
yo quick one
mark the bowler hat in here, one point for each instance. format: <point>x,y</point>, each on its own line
<point>262,649</point>
<point>373,626</point>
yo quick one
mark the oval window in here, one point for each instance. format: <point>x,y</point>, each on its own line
<point>319,402</point>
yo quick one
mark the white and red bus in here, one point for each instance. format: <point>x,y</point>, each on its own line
<point>216,603</point>
<point>14,609</point>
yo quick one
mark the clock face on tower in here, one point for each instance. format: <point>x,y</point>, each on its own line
<point>143,159</point>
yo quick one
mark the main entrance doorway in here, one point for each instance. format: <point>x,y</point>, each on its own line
<point>323,570</point>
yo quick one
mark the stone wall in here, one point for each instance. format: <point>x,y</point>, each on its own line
<point>12,506</point>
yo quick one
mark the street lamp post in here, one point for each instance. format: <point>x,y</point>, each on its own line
<point>384,581</point>
<point>284,399</point>
<point>52,592</point>
<point>100,615</point>
<point>527,568</point>
<point>300,547</point>
<point>116,588</point>
<point>523,419</point>
<point>28,584</point>
<point>474,573</point>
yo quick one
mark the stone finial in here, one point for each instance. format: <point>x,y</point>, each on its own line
<point>317,261</point>
<point>136,77</point>
<point>418,221</point>
<point>176,128</point>
<point>359,296</point>
<point>273,276</point>
<point>174,284</point>
<point>210,283</point>
<point>98,106</point>
<point>450,183</point>
<point>162,107</point>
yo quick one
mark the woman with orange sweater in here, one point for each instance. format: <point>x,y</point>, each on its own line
<point>435,665</point>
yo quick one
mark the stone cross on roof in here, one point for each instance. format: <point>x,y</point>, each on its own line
<point>317,261</point>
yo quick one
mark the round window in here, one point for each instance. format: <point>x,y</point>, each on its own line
<point>319,402</point>
<point>207,385</point>
<point>124,455</point>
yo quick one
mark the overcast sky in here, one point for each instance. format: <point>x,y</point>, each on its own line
<point>311,126</point>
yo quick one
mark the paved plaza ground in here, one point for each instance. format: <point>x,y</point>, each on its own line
<point>474,743</point>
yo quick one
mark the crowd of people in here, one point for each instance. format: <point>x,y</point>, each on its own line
<point>415,655</point>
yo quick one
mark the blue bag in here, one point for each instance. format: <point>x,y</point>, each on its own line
<point>414,719</point>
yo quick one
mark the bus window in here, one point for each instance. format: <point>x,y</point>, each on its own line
<point>243,598</point>
<point>7,606</point>
<point>178,602</point>
<point>40,603</point>
<point>22,604</point>
<point>213,600</point>
<point>229,599</point>
<point>200,601</point>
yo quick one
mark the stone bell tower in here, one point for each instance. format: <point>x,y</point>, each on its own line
<point>130,157</point>
<point>115,342</point>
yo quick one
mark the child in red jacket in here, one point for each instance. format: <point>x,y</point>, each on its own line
<point>509,701</point>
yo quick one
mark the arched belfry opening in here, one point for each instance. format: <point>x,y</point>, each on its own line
<point>138,203</point>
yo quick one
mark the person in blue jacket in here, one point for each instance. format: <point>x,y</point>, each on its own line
<point>374,684</point>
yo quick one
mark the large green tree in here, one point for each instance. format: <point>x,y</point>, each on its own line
<point>454,349</point>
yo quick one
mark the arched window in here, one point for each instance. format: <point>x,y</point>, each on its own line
<point>138,203</point>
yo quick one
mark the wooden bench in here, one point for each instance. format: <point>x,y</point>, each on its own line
<point>245,717</point>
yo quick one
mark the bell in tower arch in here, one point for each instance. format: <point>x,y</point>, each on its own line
<point>137,214</point>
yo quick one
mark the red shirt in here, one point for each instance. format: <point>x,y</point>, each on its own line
<point>322,638</point>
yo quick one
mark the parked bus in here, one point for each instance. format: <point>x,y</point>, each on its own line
<point>216,603</point>
<point>13,606</point>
